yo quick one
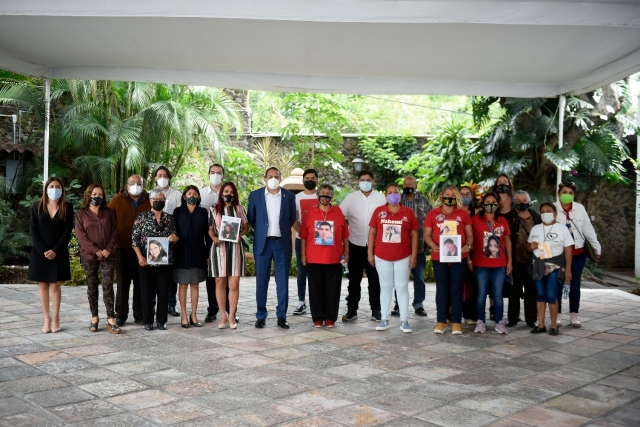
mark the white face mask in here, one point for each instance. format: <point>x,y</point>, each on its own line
<point>163,182</point>
<point>273,183</point>
<point>54,193</point>
<point>548,217</point>
<point>135,189</point>
<point>215,179</point>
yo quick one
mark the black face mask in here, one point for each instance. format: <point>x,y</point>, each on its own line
<point>449,201</point>
<point>158,205</point>
<point>96,201</point>
<point>192,200</point>
<point>408,190</point>
<point>523,206</point>
<point>503,188</point>
<point>227,198</point>
<point>310,185</point>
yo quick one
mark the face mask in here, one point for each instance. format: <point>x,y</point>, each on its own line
<point>325,200</point>
<point>162,182</point>
<point>215,179</point>
<point>490,207</point>
<point>310,185</point>
<point>365,186</point>
<point>96,201</point>
<point>449,201</point>
<point>548,217</point>
<point>135,190</point>
<point>227,198</point>
<point>408,190</point>
<point>566,199</point>
<point>466,201</point>
<point>393,198</point>
<point>503,188</point>
<point>273,183</point>
<point>158,205</point>
<point>523,206</point>
<point>54,193</point>
<point>193,200</point>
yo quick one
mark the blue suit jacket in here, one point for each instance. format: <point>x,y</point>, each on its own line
<point>259,219</point>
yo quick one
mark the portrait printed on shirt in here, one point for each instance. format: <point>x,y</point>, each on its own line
<point>229,228</point>
<point>450,248</point>
<point>324,233</point>
<point>491,245</point>
<point>158,250</point>
<point>391,233</point>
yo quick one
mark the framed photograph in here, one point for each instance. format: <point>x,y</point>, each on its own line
<point>158,250</point>
<point>229,229</point>
<point>450,247</point>
<point>324,233</point>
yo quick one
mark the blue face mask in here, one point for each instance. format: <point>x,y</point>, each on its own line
<point>466,201</point>
<point>54,193</point>
<point>365,186</point>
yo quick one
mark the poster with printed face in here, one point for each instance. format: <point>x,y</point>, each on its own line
<point>544,249</point>
<point>449,228</point>
<point>158,250</point>
<point>391,233</point>
<point>229,229</point>
<point>324,233</point>
<point>450,247</point>
<point>491,245</point>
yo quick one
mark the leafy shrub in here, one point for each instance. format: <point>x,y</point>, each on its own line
<point>78,278</point>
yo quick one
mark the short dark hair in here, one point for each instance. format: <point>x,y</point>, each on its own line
<point>568,184</point>
<point>272,168</point>
<point>218,165</point>
<point>163,168</point>
<point>308,171</point>
<point>186,190</point>
<point>448,241</point>
<point>324,223</point>
<point>548,204</point>
<point>363,173</point>
<point>393,184</point>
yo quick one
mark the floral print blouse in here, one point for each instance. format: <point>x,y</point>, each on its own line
<point>146,226</point>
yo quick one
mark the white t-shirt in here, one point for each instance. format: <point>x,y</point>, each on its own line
<point>556,235</point>
<point>358,209</point>
<point>208,197</point>
<point>173,199</point>
<point>302,196</point>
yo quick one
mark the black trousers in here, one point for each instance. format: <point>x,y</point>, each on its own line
<point>127,271</point>
<point>211,296</point>
<point>154,282</point>
<point>325,281</point>
<point>172,292</point>
<point>522,280</point>
<point>357,263</point>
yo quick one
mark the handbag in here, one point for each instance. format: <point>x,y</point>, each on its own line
<point>588,247</point>
<point>508,279</point>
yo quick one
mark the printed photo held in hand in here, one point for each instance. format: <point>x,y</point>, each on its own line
<point>450,248</point>
<point>229,228</point>
<point>158,251</point>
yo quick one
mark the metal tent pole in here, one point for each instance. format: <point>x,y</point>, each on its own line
<point>47,102</point>
<point>637,245</point>
<point>561,107</point>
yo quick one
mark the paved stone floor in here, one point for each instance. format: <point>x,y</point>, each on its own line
<point>351,375</point>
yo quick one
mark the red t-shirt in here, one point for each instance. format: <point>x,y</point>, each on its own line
<point>486,251</point>
<point>437,220</point>
<point>574,251</point>
<point>393,240</point>
<point>324,233</point>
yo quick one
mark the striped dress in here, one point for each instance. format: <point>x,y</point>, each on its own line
<point>226,258</point>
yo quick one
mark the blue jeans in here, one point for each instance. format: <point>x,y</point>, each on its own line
<point>495,276</point>
<point>302,272</point>
<point>449,277</point>
<point>577,265</point>
<point>394,274</point>
<point>547,288</point>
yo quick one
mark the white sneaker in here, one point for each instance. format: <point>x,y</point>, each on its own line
<point>558,320</point>
<point>574,320</point>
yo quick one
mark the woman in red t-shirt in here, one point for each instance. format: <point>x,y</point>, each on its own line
<point>491,258</point>
<point>324,240</point>
<point>393,250</point>
<point>449,275</point>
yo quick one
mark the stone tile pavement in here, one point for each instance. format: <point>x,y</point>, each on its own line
<point>351,375</point>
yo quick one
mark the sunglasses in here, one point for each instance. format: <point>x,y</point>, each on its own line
<point>569,184</point>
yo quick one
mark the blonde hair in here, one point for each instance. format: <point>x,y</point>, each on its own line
<point>456,194</point>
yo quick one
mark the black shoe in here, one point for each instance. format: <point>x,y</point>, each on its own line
<point>537,330</point>
<point>553,331</point>
<point>120,323</point>
<point>511,324</point>
<point>395,311</point>
<point>300,310</point>
<point>172,311</point>
<point>210,318</point>
<point>162,326</point>
<point>139,321</point>
<point>185,325</point>
<point>421,312</point>
<point>350,315</point>
<point>282,322</point>
<point>376,315</point>
<point>260,323</point>
<point>191,322</point>
<point>237,319</point>
<point>531,324</point>
<point>148,327</point>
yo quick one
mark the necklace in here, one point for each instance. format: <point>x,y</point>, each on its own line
<point>548,234</point>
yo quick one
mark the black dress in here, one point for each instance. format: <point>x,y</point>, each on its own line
<point>50,234</point>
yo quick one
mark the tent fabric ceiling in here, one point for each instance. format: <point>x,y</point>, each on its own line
<point>469,47</point>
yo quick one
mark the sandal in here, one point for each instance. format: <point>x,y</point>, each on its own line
<point>113,328</point>
<point>93,327</point>
<point>47,327</point>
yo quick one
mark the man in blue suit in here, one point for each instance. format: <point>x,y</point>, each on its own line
<point>272,212</point>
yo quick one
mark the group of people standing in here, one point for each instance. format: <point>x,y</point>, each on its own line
<point>167,241</point>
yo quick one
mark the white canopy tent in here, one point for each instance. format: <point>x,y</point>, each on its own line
<point>469,47</point>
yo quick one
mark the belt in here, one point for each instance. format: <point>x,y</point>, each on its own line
<point>274,237</point>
